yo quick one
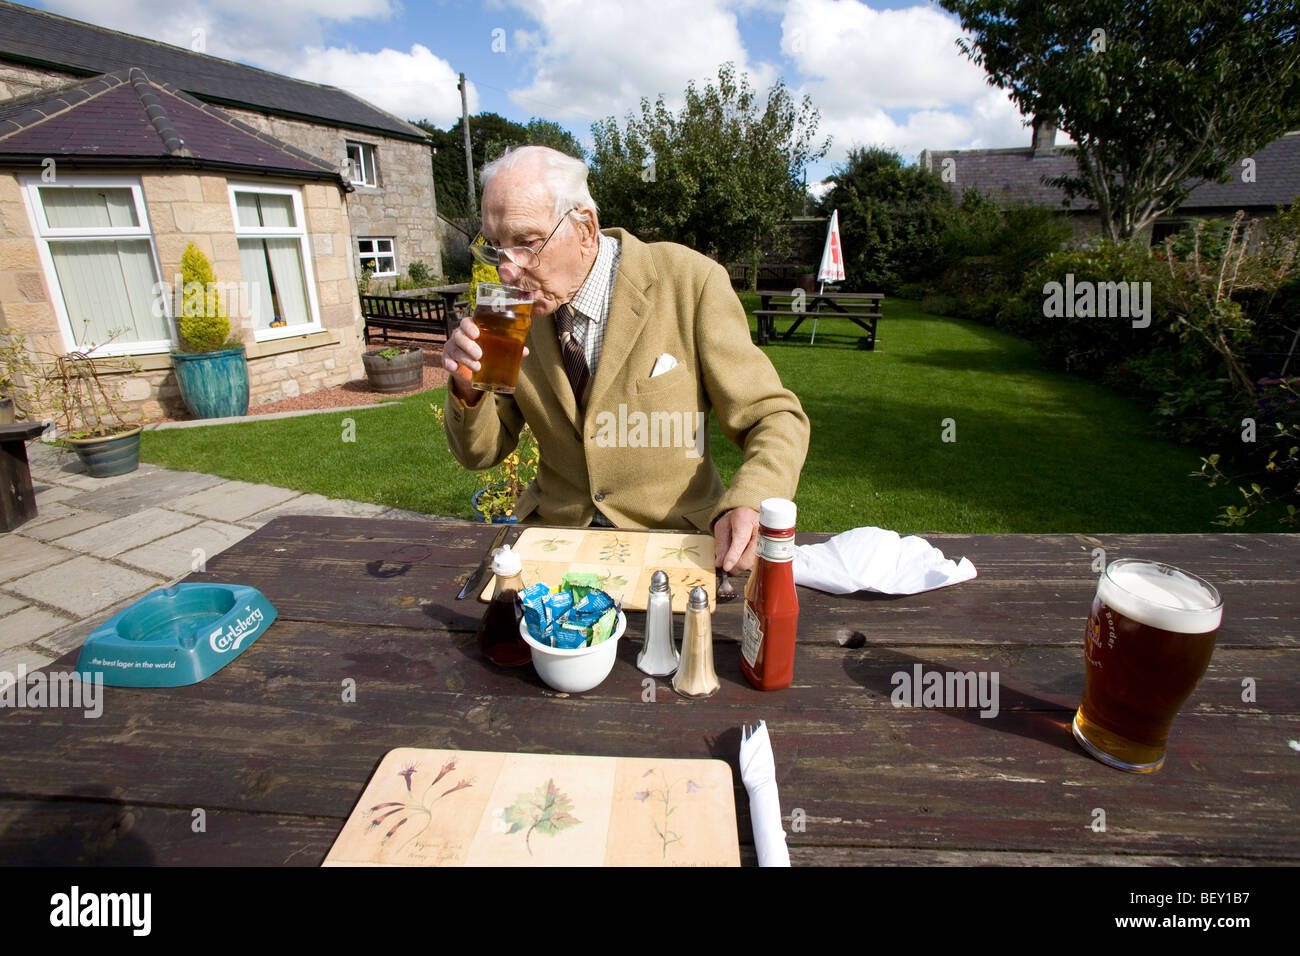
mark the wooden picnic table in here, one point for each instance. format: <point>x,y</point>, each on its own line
<point>860,308</point>
<point>276,757</point>
<point>451,295</point>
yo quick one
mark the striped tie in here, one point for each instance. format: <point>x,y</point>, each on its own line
<point>575,359</point>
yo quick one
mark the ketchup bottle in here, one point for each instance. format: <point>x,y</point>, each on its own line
<point>498,633</point>
<point>771,615</point>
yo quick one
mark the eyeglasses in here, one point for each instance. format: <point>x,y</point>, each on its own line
<point>522,256</point>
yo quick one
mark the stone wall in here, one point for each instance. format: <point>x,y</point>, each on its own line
<point>19,79</point>
<point>402,206</point>
<point>184,208</point>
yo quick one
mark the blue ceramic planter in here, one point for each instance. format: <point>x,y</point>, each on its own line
<point>213,384</point>
<point>496,519</point>
<point>106,457</point>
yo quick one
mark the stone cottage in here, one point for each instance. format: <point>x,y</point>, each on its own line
<point>290,189</point>
<point>1259,183</point>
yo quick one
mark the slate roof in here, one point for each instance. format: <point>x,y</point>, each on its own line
<point>1015,175</point>
<point>126,118</point>
<point>43,39</point>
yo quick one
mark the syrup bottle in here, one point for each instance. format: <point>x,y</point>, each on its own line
<point>771,615</point>
<point>498,632</point>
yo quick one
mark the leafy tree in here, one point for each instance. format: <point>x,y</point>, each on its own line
<point>1158,95</point>
<point>717,176</point>
<point>891,218</point>
<point>490,136</point>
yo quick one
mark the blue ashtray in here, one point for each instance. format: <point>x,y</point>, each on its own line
<point>176,636</point>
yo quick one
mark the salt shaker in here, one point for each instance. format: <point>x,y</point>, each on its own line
<point>695,676</point>
<point>658,655</point>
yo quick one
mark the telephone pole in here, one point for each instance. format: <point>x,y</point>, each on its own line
<point>469,156</point>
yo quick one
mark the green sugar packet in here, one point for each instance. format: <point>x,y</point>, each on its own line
<point>604,626</point>
<point>580,585</point>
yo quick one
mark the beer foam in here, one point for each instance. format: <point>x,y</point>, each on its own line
<point>1160,596</point>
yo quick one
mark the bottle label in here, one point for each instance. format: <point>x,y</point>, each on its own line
<point>780,550</point>
<point>751,642</point>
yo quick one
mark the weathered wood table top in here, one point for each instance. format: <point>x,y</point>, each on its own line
<point>275,757</point>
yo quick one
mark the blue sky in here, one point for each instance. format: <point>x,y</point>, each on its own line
<point>881,73</point>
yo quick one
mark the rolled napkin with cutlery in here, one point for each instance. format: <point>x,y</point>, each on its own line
<point>758,773</point>
<point>873,559</point>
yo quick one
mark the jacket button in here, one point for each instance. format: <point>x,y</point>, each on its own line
<point>600,496</point>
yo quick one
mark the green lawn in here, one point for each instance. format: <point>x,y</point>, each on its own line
<point>1035,451</point>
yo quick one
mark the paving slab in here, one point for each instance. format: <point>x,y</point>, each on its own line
<point>19,556</point>
<point>49,463</point>
<point>82,586</point>
<point>47,495</point>
<point>29,624</point>
<point>10,604</point>
<point>70,637</point>
<point>87,483</point>
<point>233,500</point>
<point>122,534</point>
<point>310,504</point>
<point>180,553</point>
<point>26,656</point>
<point>150,490</point>
<point>49,528</point>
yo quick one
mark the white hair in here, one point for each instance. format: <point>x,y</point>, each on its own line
<point>564,177</point>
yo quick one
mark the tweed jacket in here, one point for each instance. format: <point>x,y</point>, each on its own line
<point>640,449</point>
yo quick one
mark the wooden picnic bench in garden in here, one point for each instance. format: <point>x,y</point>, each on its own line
<point>385,313</point>
<point>17,500</point>
<point>861,308</point>
<point>278,752</point>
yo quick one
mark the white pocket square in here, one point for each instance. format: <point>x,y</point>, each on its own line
<point>664,363</point>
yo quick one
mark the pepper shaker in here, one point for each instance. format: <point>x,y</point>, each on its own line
<point>695,676</point>
<point>658,656</point>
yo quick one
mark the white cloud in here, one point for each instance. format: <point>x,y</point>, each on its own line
<point>287,36</point>
<point>598,58</point>
<point>860,62</point>
<point>414,85</point>
<point>268,33</point>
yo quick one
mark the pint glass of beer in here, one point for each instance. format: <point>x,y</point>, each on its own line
<point>1148,641</point>
<point>503,316</point>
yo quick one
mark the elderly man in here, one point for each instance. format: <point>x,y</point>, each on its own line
<point>631,345</point>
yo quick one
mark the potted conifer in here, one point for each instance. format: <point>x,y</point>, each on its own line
<point>212,371</point>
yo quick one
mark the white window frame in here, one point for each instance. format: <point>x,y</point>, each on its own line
<point>280,232</point>
<point>368,176</point>
<point>44,232</point>
<point>377,255</point>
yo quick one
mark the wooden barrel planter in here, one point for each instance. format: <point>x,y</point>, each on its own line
<point>213,384</point>
<point>400,373</point>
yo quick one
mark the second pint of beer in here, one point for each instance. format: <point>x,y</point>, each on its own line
<point>503,316</point>
<point>1148,641</point>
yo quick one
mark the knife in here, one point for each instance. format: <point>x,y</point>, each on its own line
<point>476,579</point>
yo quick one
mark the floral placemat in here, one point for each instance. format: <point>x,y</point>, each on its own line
<point>481,808</point>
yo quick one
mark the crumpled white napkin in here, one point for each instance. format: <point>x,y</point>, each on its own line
<point>873,559</point>
<point>758,772</point>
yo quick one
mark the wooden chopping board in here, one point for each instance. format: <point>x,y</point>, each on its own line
<point>624,560</point>
<point>480,808</point>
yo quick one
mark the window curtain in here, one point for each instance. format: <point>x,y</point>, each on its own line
<point>273,269</point>
<point>265,210</point>
<point>88,208</point>
<point>108,286</point>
